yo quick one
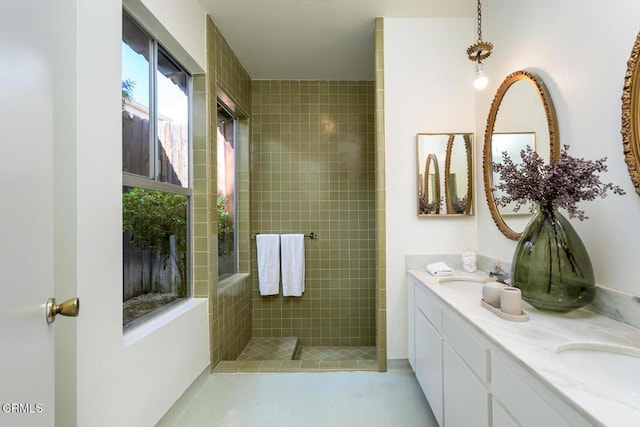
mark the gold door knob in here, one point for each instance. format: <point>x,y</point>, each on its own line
<point>70,307</point>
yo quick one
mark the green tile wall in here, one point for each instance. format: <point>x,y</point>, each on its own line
<point>229,305</point>
<point>233,309</point>
<point>200,215</point>
<point>381,254</point>
<point>313,169</point>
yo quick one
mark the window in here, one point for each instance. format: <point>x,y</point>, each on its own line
<point>226,201</point>
<point>156,99</point>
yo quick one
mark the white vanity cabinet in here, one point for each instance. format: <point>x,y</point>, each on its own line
<point>470,381</point>
<point>455,393</point>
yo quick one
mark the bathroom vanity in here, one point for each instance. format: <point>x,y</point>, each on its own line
<point>475,368</point>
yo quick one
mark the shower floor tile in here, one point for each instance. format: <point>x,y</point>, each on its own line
<point>335,353</point>
<point>259,356</point>
<point>270,349</point>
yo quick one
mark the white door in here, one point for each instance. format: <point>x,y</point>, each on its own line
<point>26,213</point>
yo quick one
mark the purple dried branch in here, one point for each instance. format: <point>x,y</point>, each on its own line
<point>429,207</point>
<point>563,183</point>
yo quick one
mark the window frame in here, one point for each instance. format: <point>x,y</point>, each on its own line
<point>152,180</point>
<point>229,110</point>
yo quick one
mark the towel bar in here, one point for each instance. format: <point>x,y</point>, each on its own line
<point>311,235</point>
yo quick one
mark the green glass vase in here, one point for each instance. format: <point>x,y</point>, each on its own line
<point>551,265</point>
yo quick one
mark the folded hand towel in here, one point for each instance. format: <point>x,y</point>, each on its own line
<point>268,248</point>
<point>292,264</point>
<point>439,269</point>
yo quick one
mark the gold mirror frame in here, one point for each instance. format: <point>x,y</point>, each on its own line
<point>456,152</point>
<point>447,174</point>
<point>436,177</point>
<point>631,116</point>
<point>552,125</point>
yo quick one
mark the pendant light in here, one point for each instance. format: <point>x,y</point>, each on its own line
<point>478,52</point>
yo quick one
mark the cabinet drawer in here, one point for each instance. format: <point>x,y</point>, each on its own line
<point>520,399</point>
<point>470,349</point>
<point>428,306</point>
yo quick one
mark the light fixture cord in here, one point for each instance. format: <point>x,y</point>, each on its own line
<point>479,22</point>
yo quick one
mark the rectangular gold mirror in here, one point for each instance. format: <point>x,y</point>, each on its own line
<point>445,176</point>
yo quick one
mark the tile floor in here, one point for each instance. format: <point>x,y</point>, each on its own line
<point>335,353</point>
<point>284,355</point>
<point>270,349</point>
<point>310,399</point>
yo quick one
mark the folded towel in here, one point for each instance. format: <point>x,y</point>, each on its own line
<point>268,248</point>
<point>439,269</point>
<point>292,264</point>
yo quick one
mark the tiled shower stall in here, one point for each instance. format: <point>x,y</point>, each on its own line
<point>306,163</point>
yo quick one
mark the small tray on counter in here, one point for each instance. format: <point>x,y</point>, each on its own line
<point>523,317</point>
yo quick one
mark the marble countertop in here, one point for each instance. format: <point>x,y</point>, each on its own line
<point>533,345</point>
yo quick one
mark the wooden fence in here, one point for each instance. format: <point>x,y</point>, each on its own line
<point>145,271</point>
<point>173,159</point>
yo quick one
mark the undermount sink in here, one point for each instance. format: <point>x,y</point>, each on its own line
<point>468,284</point>
<point>604,366</point>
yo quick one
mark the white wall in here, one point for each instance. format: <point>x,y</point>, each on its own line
<point>179,25</point>
<point>424,65</point>
<point>580,51</point>
<point>131,380</point>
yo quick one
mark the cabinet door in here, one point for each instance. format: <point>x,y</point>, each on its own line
<point>411,323</point>
<point>428,356</point>
<point>466,400</point>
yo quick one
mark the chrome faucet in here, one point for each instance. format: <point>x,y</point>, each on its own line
<point>500,275</point>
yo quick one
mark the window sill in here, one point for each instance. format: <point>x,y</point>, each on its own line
<point>230,281</point>
<point>137,333</point>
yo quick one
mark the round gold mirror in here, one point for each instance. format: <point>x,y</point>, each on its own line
<point>631,116</point>
<point>521,115</point>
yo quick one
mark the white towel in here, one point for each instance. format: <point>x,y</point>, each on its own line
<point>292,264</point>
<point>439,269</point>
<point>268,248</point>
